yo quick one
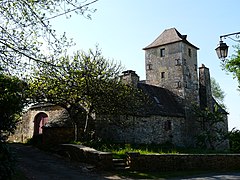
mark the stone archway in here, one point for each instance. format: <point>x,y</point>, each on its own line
<point>39,121</point>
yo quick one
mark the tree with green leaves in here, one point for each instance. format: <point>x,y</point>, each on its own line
<point>26,31</point>
<point>232,65</point>
<point>85,84</point>
<point>218,93</point>
<point>234,140</point>
<point>13,98</point>
<point>213,131</point>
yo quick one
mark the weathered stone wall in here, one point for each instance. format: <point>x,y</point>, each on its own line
<point>57,135</point>
<point>130,77</point>
<point>184,162</point>
<point>179,68</point>
<point>25,127</point>
<point>177,72</point>
<point>102,160</point>
<point>205,91</point>
<point>141,130</point>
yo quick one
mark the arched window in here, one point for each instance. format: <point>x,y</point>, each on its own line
<point>39,121</point>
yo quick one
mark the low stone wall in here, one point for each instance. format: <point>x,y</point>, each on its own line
<point>183,162</point>
<point>80,153</point>
<point>57,135</point>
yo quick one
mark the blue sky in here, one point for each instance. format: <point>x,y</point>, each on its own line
<point>122,28</point>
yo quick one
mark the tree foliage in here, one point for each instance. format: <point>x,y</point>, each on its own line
<point>234,140</point>
<point>26,31</point>
<point>13,98</point>
<point>212,127</point>
<point>85,84</point>
<point>232,65</point>
<point>218,93</point>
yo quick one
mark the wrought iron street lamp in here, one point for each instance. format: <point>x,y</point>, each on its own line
<point>222,49</point>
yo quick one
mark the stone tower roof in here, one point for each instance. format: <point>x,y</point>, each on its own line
<point>167,37</point>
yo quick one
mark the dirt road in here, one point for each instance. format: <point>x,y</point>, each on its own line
<point>39,165</point>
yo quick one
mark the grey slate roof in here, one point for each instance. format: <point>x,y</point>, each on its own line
<point>167,37</point>
<point>163,102</point>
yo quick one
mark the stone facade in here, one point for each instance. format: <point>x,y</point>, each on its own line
<point>171,66</point>
<point>173,85</point>
<point>26,127</point>
<point>205,88</point>
<point>184,162</point>
<point>142,130</point>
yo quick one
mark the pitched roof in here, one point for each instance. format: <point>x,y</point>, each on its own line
<point>163,101</point>
<point>220,109</point>
<point>167,37</point>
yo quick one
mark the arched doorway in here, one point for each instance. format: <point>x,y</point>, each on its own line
<point>39,121</point>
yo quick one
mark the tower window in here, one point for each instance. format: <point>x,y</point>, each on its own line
<point>189,52</point>
<point>184,61</point>
<point>162,75</point>
<point>162,52</point>
<point>149,66</point>
<point>177,62</point>
<point>178,84</point>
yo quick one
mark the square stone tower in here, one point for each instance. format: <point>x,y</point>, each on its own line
<point>171,63</point>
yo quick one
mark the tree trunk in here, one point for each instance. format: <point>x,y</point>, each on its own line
<point>75,131</point>
<point>86,123</point>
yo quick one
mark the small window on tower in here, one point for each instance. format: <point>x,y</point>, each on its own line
<point>162,52</point>
<point>184,61</point>
<point>178,62</point>
<point>162,75</point>
<point>149,66</point>
<point>178,84</point>
<point>189,52</point>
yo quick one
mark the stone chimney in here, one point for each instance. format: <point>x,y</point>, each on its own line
<point>130,77</point>
<point>205,92</point>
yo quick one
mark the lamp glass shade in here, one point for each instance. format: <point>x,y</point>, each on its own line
<point>222,50</point>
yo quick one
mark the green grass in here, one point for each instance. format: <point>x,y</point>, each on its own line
<point>120,149</point>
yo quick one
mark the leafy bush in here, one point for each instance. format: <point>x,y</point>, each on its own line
<point>234,140</point>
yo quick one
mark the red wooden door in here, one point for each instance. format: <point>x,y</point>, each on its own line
<point>40,120</point>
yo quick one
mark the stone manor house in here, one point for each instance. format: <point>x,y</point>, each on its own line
<point>173,82</point>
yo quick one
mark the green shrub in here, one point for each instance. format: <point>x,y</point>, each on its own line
<point>234,140</point>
